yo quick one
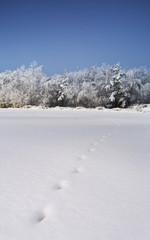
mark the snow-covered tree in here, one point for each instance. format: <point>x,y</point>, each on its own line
<point>108,86</point>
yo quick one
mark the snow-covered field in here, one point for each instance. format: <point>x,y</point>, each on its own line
<point>74,175</point>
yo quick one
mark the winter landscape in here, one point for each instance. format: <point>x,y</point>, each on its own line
<point>75,123</point>
<point>75,174</point>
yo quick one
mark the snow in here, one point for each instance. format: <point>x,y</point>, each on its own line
<point>112,97</point>
<point>74,174</point>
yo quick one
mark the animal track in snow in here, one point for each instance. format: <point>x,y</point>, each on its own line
<point>77,170</point>
<point>62,184</point>
<point>40,216</point>
<point>44,213</point>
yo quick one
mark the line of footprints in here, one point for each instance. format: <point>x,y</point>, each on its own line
<point>62,184</point>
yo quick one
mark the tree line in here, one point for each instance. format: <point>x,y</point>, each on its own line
<point>106,86</point>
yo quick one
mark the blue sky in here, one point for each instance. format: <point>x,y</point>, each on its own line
<point>65,34</point>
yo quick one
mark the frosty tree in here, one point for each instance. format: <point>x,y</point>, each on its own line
<point>108,86</point>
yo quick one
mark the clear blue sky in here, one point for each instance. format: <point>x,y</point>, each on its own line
<point>64,34</point>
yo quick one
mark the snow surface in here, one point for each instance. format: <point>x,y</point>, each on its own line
<point>74,175</point>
